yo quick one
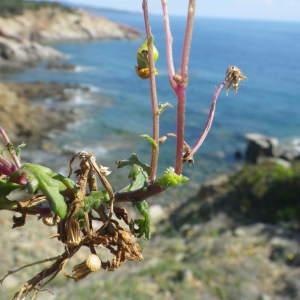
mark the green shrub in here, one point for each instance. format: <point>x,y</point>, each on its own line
<point>9,8</point>
<point>269,191</point>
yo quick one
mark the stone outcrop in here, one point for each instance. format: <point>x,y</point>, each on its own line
<point>17,54</point>
<point>261,147</point>
<point>63,66</point>
<point>25,121</point>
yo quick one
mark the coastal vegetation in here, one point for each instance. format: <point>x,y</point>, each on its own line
<point>9,8</point>
<point>235,239</point>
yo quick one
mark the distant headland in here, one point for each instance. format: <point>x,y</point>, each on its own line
<point>27,28</point>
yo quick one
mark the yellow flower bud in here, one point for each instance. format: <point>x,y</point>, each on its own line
<point>142,69</point>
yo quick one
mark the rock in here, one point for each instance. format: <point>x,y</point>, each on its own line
<point>156,212</point>
<point>5,51</point>
<point>17,54</point>
<point>261,145</point>
<point>264,297</point>
<point>43,90</point>
<point>213,186</point>
<point>65,66</point>
<point>291,151</point>
<point>255,229</point>
<point>238,155</point>
<point>23,121</point>
<point>188,275</point>
<point>274,160</point>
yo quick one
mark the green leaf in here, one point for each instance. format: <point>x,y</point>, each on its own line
<point>66,181</point>
<point>162,107</point>
<point>7,204</point>
<point>139,179</point>
<point>93,201</point>
<point>2,153</point>
<point>51,184</point>
<point>18,150</point>
<point>133,159</point>
<point>150,140</point>
<point>143,224</point>
<point>142,60</point>
<point>6,187</point>
<point>170,178</point>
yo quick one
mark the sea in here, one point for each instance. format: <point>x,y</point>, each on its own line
<point>118,110</point>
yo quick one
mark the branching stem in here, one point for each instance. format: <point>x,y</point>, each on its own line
<point>169,41</point>
<point>155,116</point>
<point>181,86</point>
<point>188,40</point>
<point>9,148</point>
<point>209,121</point>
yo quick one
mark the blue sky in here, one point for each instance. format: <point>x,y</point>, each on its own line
<point>283,10</point>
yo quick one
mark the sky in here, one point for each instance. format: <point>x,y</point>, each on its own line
<point>281,10</point>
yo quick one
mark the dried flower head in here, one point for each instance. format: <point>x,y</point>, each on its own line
<point>50,221</point>
<point>91,264</point>
<point>104,170</point>
<point>73,235</point>
<point>233,77</point>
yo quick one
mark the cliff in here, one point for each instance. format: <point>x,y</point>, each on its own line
<point>21,35</point>
<point>25,120</point>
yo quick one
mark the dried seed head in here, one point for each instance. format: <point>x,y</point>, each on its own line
<point>233,77</point>
<point>93,262</point>
<point>104,170</point>
<point>73,232</point>
<point>50,221</point>
<point>177,78</point>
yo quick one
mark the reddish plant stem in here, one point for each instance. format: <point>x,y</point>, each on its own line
<point>181,87</point>
<point>140,194</point>
<point>188,40</point>
<point>169,41</point>
<point>10,149</point>
<point>209,121</point>
<point>181,99</point>
<point>155,117</point>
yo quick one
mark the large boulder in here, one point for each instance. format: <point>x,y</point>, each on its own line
<point>261,146</point>
<point>16,54</point>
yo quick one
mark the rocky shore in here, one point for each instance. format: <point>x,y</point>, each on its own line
<point>23,37</point>
<point>25,120</point>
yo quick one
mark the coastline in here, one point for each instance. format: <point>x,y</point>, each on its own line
<point>25,38</point>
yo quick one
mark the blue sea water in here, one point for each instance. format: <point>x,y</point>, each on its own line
<point>268,53</point>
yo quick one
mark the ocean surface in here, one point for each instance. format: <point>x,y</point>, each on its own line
<point>268,102</point>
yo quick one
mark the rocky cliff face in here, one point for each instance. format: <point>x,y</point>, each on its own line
<point>20,35</point>
<point>16,53</point>
<point>24,120</point>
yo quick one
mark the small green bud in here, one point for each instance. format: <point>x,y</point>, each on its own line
<point>142,68</point>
